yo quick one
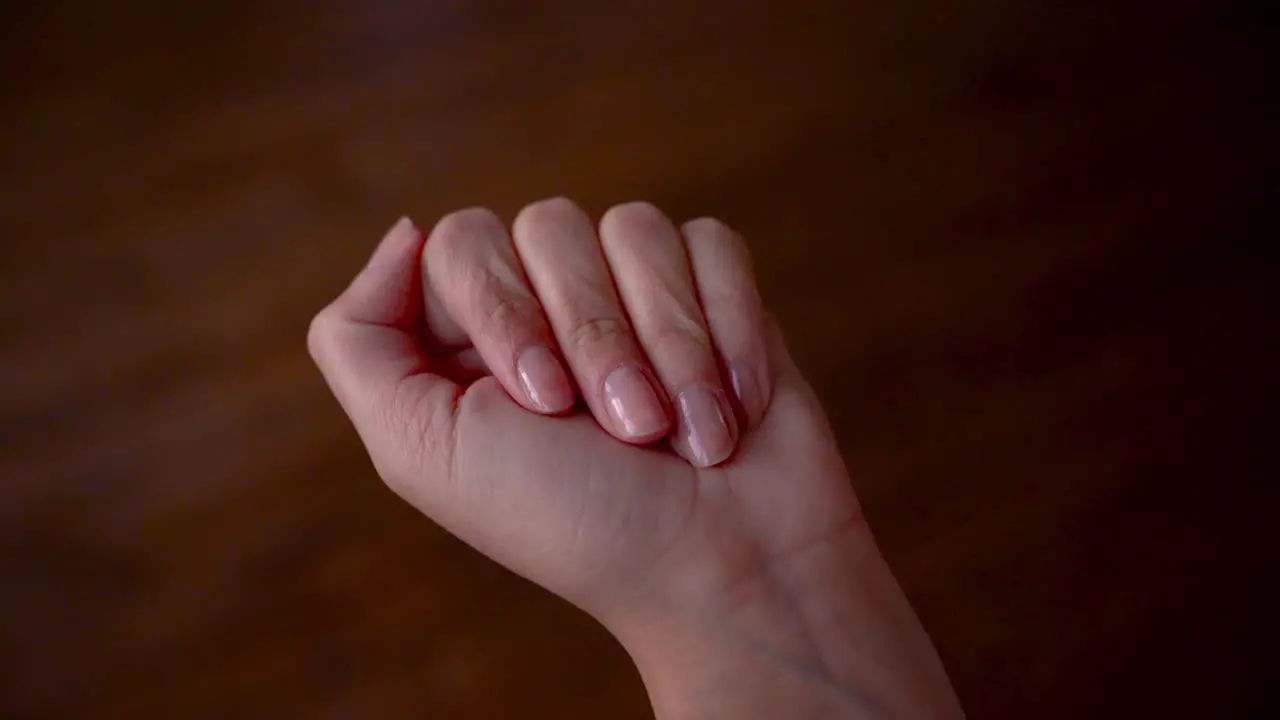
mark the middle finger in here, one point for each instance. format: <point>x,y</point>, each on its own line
<point>558,247</point>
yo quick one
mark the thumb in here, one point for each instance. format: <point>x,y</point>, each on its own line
<point>366,346</point>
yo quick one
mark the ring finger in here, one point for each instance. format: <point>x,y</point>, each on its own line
<point>557,244</point>
<point>650,264</point>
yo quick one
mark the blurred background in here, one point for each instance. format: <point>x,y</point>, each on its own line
<point>1010,242</point>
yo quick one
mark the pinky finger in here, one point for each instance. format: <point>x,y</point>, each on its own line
<point>727,290</point>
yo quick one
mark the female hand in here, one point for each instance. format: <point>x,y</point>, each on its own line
<point>698,506</point>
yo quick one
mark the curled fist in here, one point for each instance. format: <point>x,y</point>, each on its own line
<point>608,411</point>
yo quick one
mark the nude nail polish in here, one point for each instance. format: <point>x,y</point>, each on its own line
<point>633,403</point>
<point>544,380</point>
<point>747,390</point>
<point>705,433</point>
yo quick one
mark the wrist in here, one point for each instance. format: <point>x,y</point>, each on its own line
<point>825,635</point>
<point>695,674</point>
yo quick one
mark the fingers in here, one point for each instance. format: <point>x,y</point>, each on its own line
<point>478,281</point>
<point>729,297</point>
<point>648,319</point>
<point>366,346</point>
<point>651,269</point>
<point>444,334</point>
<point>557,244</point>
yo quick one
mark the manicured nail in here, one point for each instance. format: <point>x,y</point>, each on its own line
<point>748,390</point>
<point>705,430</point>
<point>544,380</point>
<point>633,403</point>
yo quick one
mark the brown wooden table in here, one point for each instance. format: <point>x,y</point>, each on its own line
<point>1008,239</point>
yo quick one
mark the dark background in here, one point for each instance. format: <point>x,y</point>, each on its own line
<point>1011,243</point>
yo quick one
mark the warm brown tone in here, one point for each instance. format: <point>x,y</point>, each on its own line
<point>1006,239</point>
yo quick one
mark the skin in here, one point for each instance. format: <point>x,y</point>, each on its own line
<point>607,410</point>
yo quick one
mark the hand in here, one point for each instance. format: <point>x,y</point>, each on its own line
<point>732,560</point>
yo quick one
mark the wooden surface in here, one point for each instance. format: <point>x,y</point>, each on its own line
<point>1008,240</point>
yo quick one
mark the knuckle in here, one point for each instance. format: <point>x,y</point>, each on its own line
<point>596,331</point>
<point>709,227</point>
<point>320,334</point>
<point>456,232</point>
<point>546,214</point>
<point>718,251</point>
<point>679,337</point>
<point>469,275</point>
<point>502,311</point>
<point>493,303</point>
<point>721,299</point>
<point>638,215</point>
<point>467,221</point>
<point>715,236</point>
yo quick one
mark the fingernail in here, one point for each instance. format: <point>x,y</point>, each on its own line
<point>633,403</point>
<point>705,432</point>
<point>748,391</point>
<point>544,380</point>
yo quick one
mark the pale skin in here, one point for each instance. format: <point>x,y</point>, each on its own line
<point>607,409</point>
